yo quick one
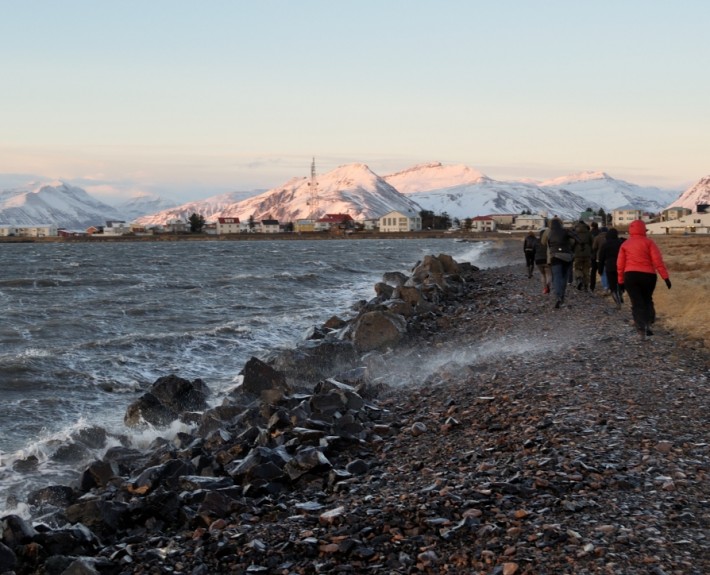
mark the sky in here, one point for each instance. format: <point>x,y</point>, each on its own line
<point>191,99</point>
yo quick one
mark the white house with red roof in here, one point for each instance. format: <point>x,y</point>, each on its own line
<point>483,224</point>
<point>330,221</point>
<point>228,226</point>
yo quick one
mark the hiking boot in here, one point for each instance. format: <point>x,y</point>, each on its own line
<point>648,332</point>
<point>546,290</point>
<point>558,303</point>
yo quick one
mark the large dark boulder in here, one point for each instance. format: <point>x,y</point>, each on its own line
<point>167,399</point>
<point>311,361</point>
<point>181,394</point>
<point>104,517</point>
<point>377,330</point>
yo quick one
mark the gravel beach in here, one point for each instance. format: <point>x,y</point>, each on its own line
<point>509,438</point>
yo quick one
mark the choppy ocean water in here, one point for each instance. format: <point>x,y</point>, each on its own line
<point>86,328</point>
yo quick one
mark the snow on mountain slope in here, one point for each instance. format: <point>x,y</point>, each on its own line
<point>434,176</point>
<point>56,203</point>
<point>492,197</point>
<point>141,205</point>
<point>698,193</point>
<point>209,208</point>
<point>351,189</point>
<point>610,193</point>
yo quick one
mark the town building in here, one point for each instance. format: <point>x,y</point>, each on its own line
<point>29,231</point>
<point>228,226</point>
<point>529,222</point>
<point>305,225</point>
<point>674,213</point>
<point>483,224</point>
<point>396,221</point>
<point>693,223</point>
<point>116,228</point>
<point>269,226</point>
<point>622,217</point>
<point>504,221</point>
<point>338,221</point>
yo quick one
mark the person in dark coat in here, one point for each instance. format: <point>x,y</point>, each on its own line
<point>560,253</point>
<point>597,243</point>
<point>607,255</point>
<point>582,255</point>
<point>529,246</point>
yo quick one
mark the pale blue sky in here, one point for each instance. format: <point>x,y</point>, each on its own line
<point>192,99</point>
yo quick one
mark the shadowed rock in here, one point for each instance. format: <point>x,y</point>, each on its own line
<point>166,400</point>
<point>377,330</point>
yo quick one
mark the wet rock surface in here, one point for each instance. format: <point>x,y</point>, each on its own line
<point>498,436</point>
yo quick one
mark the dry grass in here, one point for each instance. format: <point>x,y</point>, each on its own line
<point>684,308</point>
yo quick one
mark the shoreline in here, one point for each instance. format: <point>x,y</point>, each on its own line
<point>506,437</point>
<point>429,234</point>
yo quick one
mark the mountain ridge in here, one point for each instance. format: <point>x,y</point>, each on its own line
<point>355,189</point>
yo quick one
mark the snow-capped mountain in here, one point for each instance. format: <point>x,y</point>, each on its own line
<point>610,193</point>
<point>56,203</point>
<point>698,193</point>
<point>458,190</point>
<point>463,192</point>
<point>209,208</point>
<point>491,197</point>
<point>141,205</point>
<point>434,176</point>
<point>351,189</point>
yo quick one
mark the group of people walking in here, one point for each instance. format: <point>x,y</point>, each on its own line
<point>579,254</point>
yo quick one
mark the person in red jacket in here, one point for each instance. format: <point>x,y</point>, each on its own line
<point>637,263</point>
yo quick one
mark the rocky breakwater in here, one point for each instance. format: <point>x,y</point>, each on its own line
<point>284,476</point>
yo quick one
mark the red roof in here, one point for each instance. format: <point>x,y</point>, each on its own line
<point>228,220</point>
<point>335,218</point>
<point>482,218</point>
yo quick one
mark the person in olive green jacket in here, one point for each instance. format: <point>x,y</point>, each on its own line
<point>582,256</point>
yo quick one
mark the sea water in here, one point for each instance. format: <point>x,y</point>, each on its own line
<point>86,328</point>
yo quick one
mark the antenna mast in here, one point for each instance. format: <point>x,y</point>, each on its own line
<point>313,192</point>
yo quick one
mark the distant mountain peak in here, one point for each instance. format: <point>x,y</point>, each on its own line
<point>585,176</point>
<point>54,202</point>
<point>352,189</point>
<point>698,193</point>
<point>434,176</point>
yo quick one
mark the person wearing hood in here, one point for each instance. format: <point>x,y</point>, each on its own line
<point>638,262</point>
<point>608,253</point>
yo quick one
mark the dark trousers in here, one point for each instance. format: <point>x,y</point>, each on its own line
<point>560,273</point>
<point>593,274</point>
<point>640,287</point>
<point>530,262</point>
